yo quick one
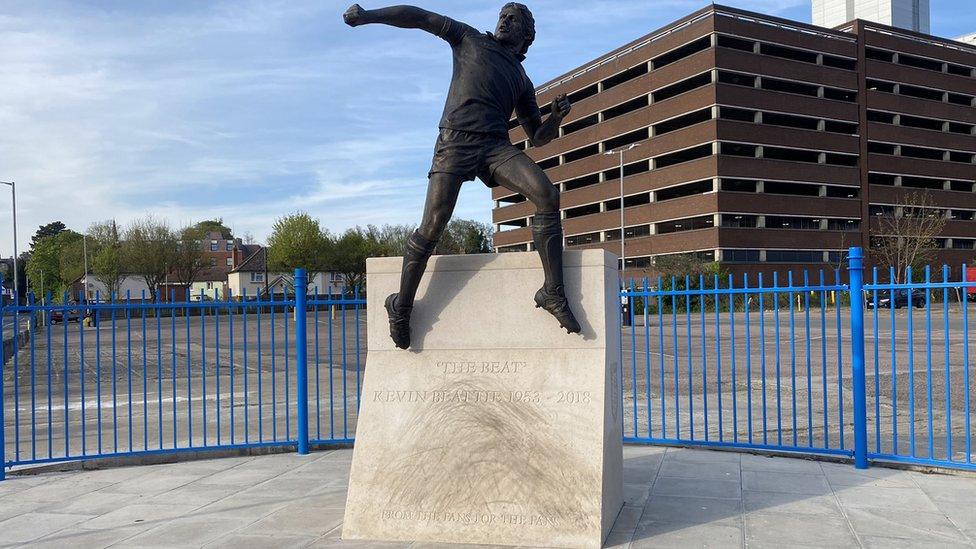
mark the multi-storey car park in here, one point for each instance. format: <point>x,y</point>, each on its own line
<point>764,144</point>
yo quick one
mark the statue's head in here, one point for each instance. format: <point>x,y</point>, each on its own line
<point>516,27</point>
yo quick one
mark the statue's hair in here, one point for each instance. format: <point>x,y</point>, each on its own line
<point>527,20</point>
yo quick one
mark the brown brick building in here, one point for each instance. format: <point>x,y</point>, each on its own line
<point>763,143</point>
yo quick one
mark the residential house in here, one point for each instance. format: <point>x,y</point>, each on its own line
<point>221,255</point>
<point>252,278</point>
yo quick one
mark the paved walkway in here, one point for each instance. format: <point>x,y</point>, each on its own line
<point>674,498</point>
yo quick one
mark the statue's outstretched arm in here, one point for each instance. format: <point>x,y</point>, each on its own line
<point>407,17</point>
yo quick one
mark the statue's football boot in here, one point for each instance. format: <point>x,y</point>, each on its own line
<point>558,306</point>
<point>399,322</point>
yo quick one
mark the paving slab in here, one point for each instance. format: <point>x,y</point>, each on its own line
<point>784,530</point>
<point>721,470</point>
<point>80,538</point>
<point>663,534</point>
<point>254,541</point>
<point>677,498</point>
<point>186,532</point>
<point>30,526</point>
<point>790,483</point>
<point>897,523</point>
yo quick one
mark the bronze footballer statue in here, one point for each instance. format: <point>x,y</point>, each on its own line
<point>487,86</point>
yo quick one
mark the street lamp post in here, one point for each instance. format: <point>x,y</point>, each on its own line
<point>13,200</point>
<point>623,253</point>
<point>84,252</point>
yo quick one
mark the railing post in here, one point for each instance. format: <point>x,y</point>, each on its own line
<point>3,402</point>
<point>855,269</point>
<point>301,358</point>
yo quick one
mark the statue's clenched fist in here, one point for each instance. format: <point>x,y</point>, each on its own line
<point>561,106</point>
<point>354,16</point>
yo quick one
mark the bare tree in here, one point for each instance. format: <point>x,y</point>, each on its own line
<point>108,265</point>
<point>188,255</point>
<point>149,249</point>
<point>907,237</point>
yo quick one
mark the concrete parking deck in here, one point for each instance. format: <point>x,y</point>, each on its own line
<point>674,498</point>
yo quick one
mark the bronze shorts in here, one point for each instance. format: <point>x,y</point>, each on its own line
<point>470,155</point>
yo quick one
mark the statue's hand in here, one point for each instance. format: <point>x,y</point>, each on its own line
<point>561,106</point>
<point>354,16</point>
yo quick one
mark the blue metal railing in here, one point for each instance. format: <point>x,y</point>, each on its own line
<point>930,419</point>
<point>145,376</point>
<point>710,361</point>
<point>800,383</point>
<point>737,383</point>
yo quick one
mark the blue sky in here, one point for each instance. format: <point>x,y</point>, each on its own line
<point>249,109</point>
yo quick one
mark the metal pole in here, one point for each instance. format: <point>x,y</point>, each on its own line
<point>13,199</point>
<point>301,358</point>
<point>623,255</point>
<point>3,404</point>
<point>855,269</point>
<point>84,248</point>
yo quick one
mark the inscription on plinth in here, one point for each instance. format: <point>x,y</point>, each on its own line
<point>503,444</point>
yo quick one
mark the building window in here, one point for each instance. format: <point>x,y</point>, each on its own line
<point>213,261</point>
<point>230,245</point>
<point>740,256</point>
<point>739,220</point>
<point>257,277</point>
<point>799,189</point>
<point>794,256</point>
<point>843,224</point>
<point>688,224</point>
<point>689,189</point>
<point>841,192</point>
<point>738,185</point>
<point>577,240</point>
<point>580,211</point>
<point>213,246</point>
<point>638,262</point>
<point>783,222</point>
<point>630,232</point>
<point>230,261</point>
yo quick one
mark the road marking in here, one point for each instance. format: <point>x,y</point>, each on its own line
<point>122,402</point>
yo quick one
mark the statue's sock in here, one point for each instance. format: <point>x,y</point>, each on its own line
<point>415,256</point>
<point>547,236</point>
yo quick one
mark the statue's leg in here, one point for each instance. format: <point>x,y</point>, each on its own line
<point>522,175</point>
<point>442,193</point>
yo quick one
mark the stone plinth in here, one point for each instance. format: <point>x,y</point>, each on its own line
<point>497,426</point>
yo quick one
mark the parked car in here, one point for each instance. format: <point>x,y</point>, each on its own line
<point>62,315</point>
<point>971,277</point>
<point>72,314</point>
<point>901,299</point>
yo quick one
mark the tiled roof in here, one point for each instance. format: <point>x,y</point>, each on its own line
<point>255,262</point>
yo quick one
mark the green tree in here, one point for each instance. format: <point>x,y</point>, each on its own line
<point>215,225</point>
<point>298,240</point>
<point>45,268</point>
<point>107,261</point>
<point>188,260</point>
<point>149,249</point>
<point>464,236</point>
<point>391,239</point>
<point>71,263</point>
<point>349,252</point>
<point>51,229</point>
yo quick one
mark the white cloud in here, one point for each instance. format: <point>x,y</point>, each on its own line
<point>249,109</point>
